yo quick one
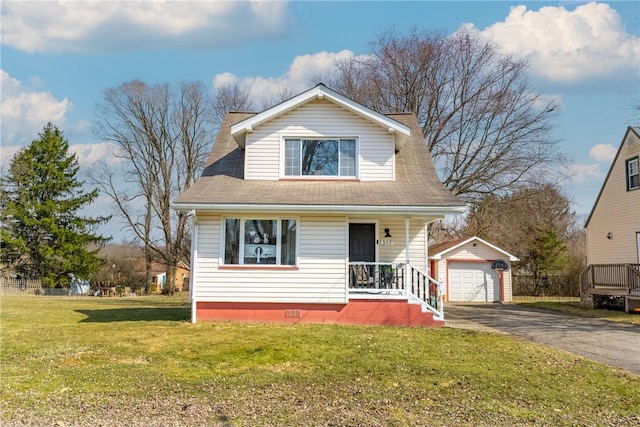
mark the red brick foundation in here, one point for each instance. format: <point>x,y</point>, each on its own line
<point>355,312</point>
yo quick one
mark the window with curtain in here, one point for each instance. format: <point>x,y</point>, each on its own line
<point>260,241</point>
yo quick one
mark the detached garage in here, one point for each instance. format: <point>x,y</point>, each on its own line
<point>472,270</point>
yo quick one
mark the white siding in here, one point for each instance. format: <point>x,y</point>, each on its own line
<point>320,277</point>
<point>208,245</point>
<point>418,236</point>
<point>317,119</point>
<point>617,212</point>
<point>473,254</point>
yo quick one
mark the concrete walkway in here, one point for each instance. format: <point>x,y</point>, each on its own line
<point>610,343</point>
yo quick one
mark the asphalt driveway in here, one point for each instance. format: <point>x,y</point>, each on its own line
<point>612,344</point>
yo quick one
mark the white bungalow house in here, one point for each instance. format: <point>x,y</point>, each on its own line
<point>316,210</point>
<point>613,228</point>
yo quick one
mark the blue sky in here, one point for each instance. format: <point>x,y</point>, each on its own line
<point>58,58</point>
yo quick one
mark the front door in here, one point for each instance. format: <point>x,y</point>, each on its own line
<point>362,248</point>
<point>362,242</point>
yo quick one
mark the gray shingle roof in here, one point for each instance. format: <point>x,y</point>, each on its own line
<point>417,184</point>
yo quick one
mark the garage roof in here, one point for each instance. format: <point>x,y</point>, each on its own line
<point>440,249</point>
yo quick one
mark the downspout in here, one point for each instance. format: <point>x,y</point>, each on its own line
<point>194,263</point>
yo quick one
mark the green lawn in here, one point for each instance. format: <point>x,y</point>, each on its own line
<point>571,306</point>
<point>138,361</point>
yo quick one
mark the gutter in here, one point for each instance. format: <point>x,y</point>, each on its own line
<point>389,210</point>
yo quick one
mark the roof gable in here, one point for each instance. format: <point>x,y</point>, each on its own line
<point>636,133</point>
<point>416,189</point>
<point>444,248</point>
<point>320,91</point>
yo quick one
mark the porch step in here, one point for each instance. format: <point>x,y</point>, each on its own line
<point>424,307</point>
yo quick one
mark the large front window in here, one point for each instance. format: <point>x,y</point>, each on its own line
<point>633,174</point>
<point>260,241</point>
<point>320,157</point>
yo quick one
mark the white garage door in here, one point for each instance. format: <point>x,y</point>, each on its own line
<point>473,282</point>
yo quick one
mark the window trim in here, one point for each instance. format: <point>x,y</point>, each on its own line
<point>241,266</point>
<point>282,168</point>
<point>628,175</point>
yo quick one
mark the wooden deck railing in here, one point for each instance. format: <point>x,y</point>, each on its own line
<point>622,276</point>
<point>633,271</point>
<point>609,279</point>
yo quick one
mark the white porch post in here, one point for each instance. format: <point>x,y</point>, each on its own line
<point>407,251</point>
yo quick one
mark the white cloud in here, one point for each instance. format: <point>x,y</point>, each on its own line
<point>296,79</point>
<point>88,154</point>
<point>603,152</point>
<point>593,173</point>
<point>569,45</point>
<point>98,26</point>
<point>225,79</point>
<point>6,155</point>
<point>584,173</point>
<point>25,111</point>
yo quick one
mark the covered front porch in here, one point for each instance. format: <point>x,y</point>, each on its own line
<point>388,261</point>
<point>395,281</point>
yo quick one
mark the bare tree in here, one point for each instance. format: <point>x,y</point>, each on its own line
<point>163,138</point>
<point>229,98</point>
<point>281,95</point>
<point>535,223</point>
<point>487,130</point>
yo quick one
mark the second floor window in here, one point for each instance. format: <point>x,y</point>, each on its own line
<point>633,174</point>
<point>320,157</point>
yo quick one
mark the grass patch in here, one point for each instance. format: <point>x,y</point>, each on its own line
<point>573,307</point>
<point>121,361</point>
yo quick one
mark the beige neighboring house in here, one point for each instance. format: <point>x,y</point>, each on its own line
<point>159,277</point>
<point>613,227</point>
<point>316,210</point>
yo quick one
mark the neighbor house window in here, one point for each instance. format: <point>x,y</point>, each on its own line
<point>633,174</point>
<point>260,241</point>
<point>320,157</point>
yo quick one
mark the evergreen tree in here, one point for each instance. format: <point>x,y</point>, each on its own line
<point>43,236</point>
<point>547,255</point>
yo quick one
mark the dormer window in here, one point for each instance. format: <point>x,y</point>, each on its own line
<point>320,157</point>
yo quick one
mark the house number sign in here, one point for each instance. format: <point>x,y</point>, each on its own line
<point>387,242</point>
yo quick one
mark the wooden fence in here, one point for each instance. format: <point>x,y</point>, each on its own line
<point>10,286</point>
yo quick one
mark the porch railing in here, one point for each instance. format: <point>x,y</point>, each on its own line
<point>425,288</point>
<point>397,278</point>
<point>376,275</point>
